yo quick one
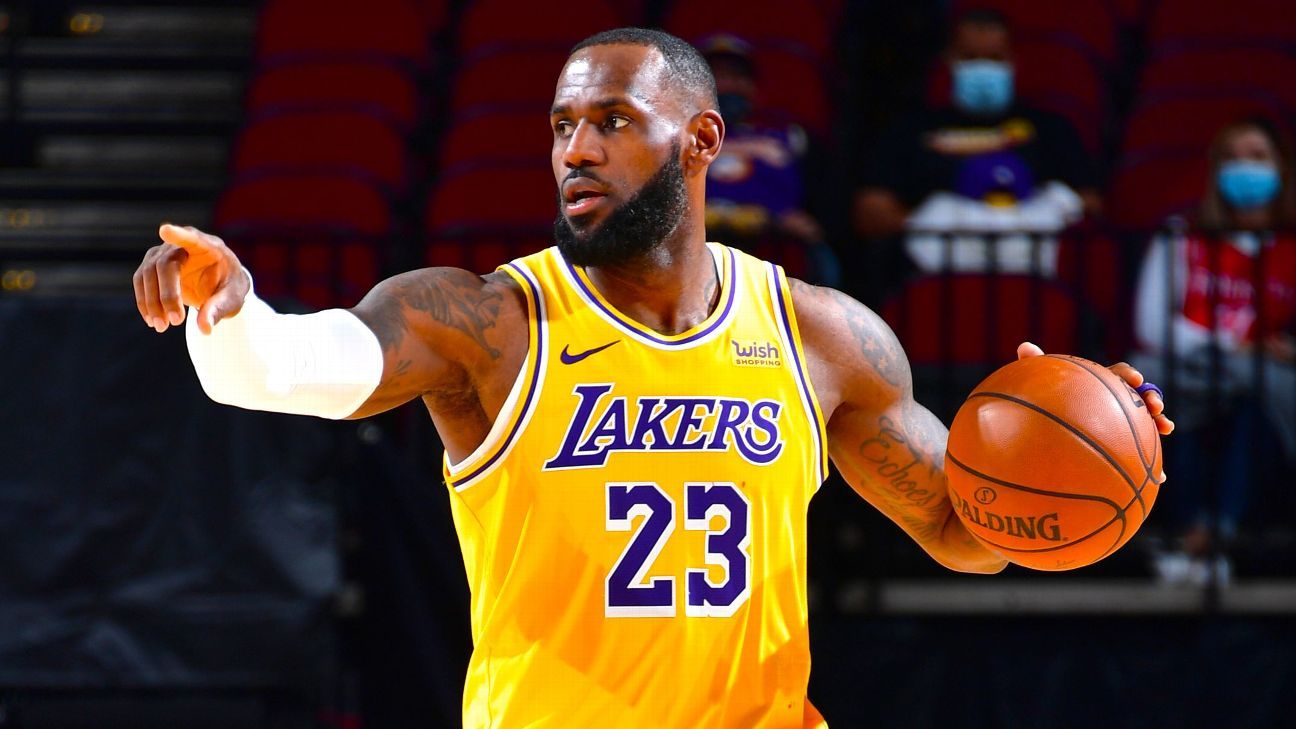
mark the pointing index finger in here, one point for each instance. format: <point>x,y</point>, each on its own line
<point>190,239</point>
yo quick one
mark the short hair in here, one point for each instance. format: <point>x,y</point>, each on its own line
<point>686,65</point>
<point>979,17</point>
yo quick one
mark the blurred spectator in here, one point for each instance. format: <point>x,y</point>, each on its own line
<point>985,161</point>
<point>1200,323</point>
<point>755,187</point>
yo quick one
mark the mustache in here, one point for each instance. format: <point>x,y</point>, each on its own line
<point>581,173</point>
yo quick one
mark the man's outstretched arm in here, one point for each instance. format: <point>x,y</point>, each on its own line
<point>412,335</point>
<point>887,446</point>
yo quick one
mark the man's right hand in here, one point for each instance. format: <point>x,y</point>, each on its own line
<point>190,268</point>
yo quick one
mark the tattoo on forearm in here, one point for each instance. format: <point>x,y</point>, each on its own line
<point>902,460</point>
<point>897,463</point>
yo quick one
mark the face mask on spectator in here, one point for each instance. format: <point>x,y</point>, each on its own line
<point>1247,184</point>
<point>982,87</point>
<point>733,107</point>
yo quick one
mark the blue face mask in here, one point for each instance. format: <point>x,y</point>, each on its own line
<point>982,87</point>
<point>1246,184</point>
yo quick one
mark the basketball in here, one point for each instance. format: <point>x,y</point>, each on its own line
<point>1053,462</point>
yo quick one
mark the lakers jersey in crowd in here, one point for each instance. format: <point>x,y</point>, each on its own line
<point>634,524</point>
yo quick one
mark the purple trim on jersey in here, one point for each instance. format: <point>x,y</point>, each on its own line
<point>616,317</point>
<point>531,391</point>
<point>802,376</point>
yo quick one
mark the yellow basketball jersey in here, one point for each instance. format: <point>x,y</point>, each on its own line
<point>634,524</point>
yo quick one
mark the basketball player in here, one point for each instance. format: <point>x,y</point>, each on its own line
<point>634,421</point>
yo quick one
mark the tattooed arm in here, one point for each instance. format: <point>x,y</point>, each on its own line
<point>889,448</point>
<point>442,331</point>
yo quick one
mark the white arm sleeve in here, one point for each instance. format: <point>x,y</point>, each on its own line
<point>325,364</point>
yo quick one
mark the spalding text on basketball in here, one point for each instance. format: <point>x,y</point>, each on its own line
<point>603,424</point>
<point>1044,526</point>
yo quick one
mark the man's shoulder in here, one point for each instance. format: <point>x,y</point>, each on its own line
<point>853,352</point>
<point>821,310</point>
<point>445,296</point>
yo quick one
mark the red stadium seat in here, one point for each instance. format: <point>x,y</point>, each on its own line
<point>1214,22</point>
<point>631,12</point>
<point>1089,262</point>
<point>435,14</point>
<point>1131,14</point>
<point>1239,70</point>
<point>295,201</point>
<point>319,272</point>
<point>792,87</point>
<point>1089,25</point>
<point>1147,190</point>
<point>338,29</point>
<point>380,89</point>
<point>313,237</point>
<point>519,79</point>
<point>763,23</point>
<point>496,136</point>
<point>337,142</point>
<point>514,199</point>
<point>1190,122</point>
<point>1043,68</point>
<point>492,24</point>
<point>833,11</point>
<point>979,319</point>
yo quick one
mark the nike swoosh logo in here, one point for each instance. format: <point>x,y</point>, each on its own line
<point>569,358</point>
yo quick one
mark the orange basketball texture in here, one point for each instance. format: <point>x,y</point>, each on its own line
<point>1053,461</point>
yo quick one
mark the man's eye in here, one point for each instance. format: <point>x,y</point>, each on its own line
<point>563,129</point>
<point>618,122</point>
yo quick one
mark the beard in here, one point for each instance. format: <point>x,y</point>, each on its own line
<point>632,230</point>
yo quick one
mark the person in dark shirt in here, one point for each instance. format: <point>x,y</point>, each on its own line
<point>756,186</point>
<point>985,145</point>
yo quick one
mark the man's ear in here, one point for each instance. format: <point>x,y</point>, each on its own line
<point>708,135</point>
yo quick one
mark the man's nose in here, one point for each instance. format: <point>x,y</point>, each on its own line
<point>584,147</point>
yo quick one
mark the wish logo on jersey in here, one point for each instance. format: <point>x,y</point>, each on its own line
<point>756,354</point>
<point>604,424</point>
